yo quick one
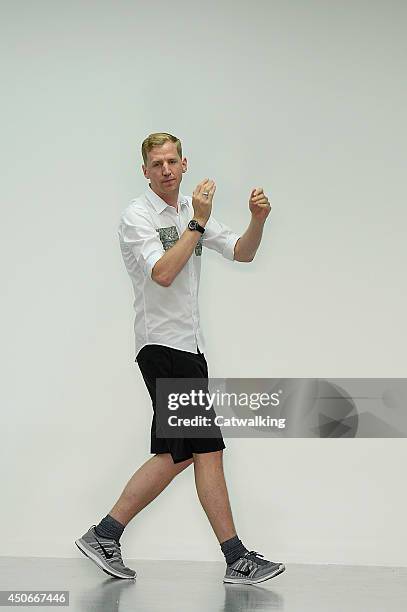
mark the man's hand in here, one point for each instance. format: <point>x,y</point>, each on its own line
<point>259,205</point>
<point>201,203</point>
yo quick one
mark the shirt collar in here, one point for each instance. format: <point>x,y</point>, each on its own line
<point>158,203</point>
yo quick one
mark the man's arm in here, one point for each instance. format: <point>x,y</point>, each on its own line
<point>172,262</point>
<point>247,245</point>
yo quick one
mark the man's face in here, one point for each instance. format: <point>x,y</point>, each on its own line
<point>164,168</point>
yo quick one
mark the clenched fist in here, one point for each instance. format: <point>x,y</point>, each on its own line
<point>259,205</point>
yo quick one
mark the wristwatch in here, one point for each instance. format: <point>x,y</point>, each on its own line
<point>194,225</point>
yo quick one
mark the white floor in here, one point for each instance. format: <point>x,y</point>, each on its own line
<point>184,586</point>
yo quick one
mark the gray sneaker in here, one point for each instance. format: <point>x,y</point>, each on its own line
<point>251,569</point>
<point>105,553</point>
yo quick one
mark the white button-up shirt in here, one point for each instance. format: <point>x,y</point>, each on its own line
<point>167,315</point>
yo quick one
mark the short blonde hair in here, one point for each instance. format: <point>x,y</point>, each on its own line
<point>156,140</point>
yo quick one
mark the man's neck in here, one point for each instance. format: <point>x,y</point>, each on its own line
<point>170,199</point>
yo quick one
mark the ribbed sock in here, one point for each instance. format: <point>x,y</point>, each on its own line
<point>233,549</point>
<point>109,528</point>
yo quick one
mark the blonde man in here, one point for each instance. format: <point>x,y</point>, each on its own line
<point>162,234</point>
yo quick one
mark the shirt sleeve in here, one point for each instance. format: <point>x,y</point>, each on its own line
<point>220,238</point>
<point>137,233</point>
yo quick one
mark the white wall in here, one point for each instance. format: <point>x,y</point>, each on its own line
<point>306,99</point>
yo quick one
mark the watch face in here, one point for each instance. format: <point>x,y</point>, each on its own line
<point>192,224</point>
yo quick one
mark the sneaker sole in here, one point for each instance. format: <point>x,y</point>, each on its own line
<point>276,572</point>
<point>92,555</point>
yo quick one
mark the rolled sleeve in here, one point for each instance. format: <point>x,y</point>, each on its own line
<point>220,238</point>
<point>138,236</point>
<point>151,261</point>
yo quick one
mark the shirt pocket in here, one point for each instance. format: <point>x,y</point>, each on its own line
<point>168,236</point>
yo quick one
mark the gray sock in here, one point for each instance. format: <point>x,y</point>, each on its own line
<point>109,528</point>
<point>233,549</point>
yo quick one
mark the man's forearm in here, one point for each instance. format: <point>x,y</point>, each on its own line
<point>173,260</point>
<point>247,245</point>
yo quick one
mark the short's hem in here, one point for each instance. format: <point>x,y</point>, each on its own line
<point>169,453</point>
<point>190,456</point>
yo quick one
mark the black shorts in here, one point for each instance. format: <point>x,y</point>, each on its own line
<point>157,361</point>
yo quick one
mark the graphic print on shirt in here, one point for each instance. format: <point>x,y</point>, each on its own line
<point>198,248</point>
<point>169,236</point>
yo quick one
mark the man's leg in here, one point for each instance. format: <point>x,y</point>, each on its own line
<point>101,542</point>
<point>243,566</point>
<point>213,493</point>
<point>145,485</point>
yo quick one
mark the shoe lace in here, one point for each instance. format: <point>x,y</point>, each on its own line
<point>254,556</point>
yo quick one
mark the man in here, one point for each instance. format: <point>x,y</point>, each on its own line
<point>161,237</point>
